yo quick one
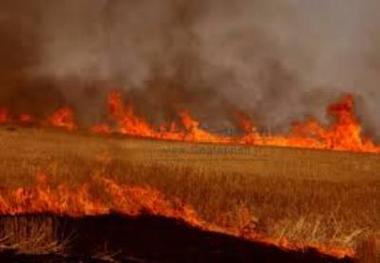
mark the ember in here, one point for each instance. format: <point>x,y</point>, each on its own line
<point>3,115</point>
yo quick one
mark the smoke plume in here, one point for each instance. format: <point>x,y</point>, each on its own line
<point>277,61</point>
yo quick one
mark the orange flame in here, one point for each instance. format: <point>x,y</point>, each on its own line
<point>63,118</point>
<point>77,202</point>
<point>101,128</point>
<point>126,119</point>
<point>196,134</point>
<point>344,133</point>
<point>123,199</point>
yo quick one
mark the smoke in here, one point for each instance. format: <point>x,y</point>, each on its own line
<point>275,60</point>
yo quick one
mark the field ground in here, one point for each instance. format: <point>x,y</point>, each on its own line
<point>305,196</point>
<point>145,238</point>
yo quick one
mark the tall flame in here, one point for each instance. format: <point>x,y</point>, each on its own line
<point>126,119</point>
<point>343,134</point>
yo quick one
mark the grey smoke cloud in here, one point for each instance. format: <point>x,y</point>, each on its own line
<point>276,60</point>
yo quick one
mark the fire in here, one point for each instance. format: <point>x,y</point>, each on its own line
<point>4,118</point>
<point>129,123</point>
<point>102,196</point>
<point>77,202</point>
<point>25,118</point>
<point>101,128</point>
<point>344,133</point>
<point>63,118</point>
<point>194,133</point>
<point>126,119</point>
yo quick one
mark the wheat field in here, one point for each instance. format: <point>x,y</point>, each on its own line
<point>306,196</point>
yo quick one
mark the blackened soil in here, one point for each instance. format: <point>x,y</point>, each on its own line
<point>154,239</point>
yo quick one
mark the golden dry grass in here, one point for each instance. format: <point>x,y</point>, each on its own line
<point>31,236</point>
<point>305,196</point>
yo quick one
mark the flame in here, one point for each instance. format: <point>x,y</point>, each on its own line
<point>344,133</point>
<point>82,201</point>
<point>26,118</point>
<point>4,117</point>
<point>101,128</point>
<point>126,119</point>
<point>128,200</point>
<point>63,118</point>
<point>131,124</point>
<point>196,134</point>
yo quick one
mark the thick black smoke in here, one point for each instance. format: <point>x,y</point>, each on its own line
<point>275,60</point>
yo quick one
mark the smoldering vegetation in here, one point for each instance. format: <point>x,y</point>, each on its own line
<point>275,60</point>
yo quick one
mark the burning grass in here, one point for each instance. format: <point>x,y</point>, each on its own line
<point>285,196</point>
<point>343,133</point>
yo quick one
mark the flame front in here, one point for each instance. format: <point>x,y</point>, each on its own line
<point>65,200</point>
<point>126,200</point>
<point>130,124</point>
<point>344,133</point>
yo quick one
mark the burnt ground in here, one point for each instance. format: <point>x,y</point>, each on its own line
<point>153,239</point>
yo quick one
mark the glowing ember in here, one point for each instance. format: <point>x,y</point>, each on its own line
<point>63,118</point>
<point>3,116</point>
<point>101,129</point>
<point>25,118</point>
